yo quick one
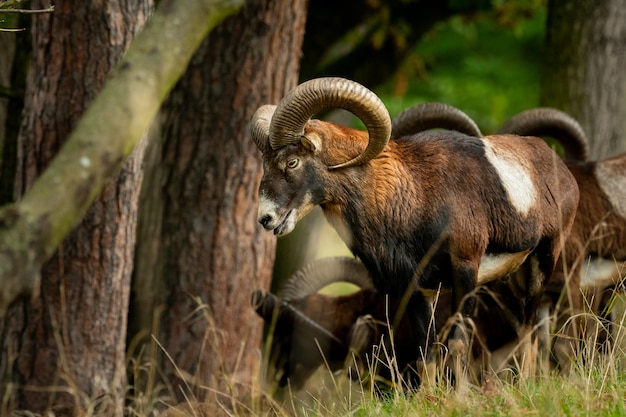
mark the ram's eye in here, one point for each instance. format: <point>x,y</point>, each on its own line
<point>292,163</point>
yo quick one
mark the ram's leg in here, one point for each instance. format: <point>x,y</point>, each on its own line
<point>538,271</point>
<point>570,326</point>
<point>565,284</point>
<point>420,313</point>
<point>463,302</point>
<point>606,321</point>
<point>544,311</point>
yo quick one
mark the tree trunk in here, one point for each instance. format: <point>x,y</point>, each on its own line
<point>65,347</point>
<point>585,68</point>
<point>210,253</point>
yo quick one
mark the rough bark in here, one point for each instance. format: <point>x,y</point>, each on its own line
<point>67,343</point>
<point>584,70</point>
<point>211,253</point>
<point>70,337</point>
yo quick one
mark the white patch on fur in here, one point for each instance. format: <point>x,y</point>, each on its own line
<point>266,207</point>
<point>282,222</point>
<point>600,273</point>
<point>496,266</point>
<point>283,219</point>
<point>612,180</point>
<point>515,178</point>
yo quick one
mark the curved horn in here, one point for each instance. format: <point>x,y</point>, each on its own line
<point>313,96</point>
<point>265,303</point>
<point>323,272</point>
<point>432,116</point>
<point>546,121</point>
<point>260,126</point>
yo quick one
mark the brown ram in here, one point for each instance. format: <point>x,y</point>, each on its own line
<point>308,328</point>
<point>596,248</point>
<point>595,253</point>
<point>423,212</point>
<point>327,324</point>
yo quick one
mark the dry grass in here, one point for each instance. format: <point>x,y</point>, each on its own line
<point>595,386</point>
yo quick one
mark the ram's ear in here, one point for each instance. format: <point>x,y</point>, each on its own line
<point>311,141</point>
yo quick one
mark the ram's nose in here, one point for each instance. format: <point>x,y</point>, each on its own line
<point>265,221</point>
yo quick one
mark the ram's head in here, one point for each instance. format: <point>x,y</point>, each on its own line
<point>309,329</point>
<point>299,153</point>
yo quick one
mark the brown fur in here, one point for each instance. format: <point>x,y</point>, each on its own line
<point>598,231</point>
<point>597,225</point>
<point>439,190</point>
<point>494,326</point>
<point>298,352</point>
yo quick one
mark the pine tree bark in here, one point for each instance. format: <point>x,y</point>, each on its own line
<point>585,68</point>
<point>68,341</point>
<point>210,252</point>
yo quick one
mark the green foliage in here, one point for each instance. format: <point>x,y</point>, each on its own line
<point>487,64</point>
<point>554,395</point>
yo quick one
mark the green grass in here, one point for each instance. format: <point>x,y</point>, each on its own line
<point>587,393</point>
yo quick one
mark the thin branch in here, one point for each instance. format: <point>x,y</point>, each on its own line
<point>27,11</point>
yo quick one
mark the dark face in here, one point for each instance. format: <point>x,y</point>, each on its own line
<point>296,354</point>
<point>299,345</point>
<point>291,187</point>
<point>305,334</point>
